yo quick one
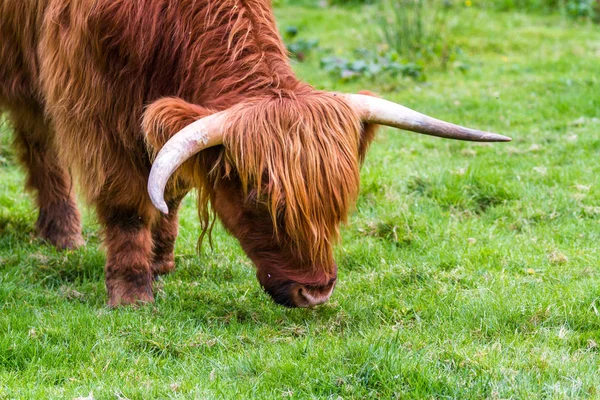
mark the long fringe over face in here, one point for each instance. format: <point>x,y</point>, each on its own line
<point>299,153</point>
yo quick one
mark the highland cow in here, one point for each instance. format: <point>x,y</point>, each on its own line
<point>141,101</point>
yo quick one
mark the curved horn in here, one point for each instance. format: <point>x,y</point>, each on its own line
<point>202,134</point>
<point>383,112</point>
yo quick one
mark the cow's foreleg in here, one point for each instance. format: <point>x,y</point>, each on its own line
<point>164,234</point>
<point>128,241</point>
<point>162,119</point>
<point>59,220</point>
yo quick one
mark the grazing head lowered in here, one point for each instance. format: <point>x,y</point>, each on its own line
<point>175,94</point>
<point>290,177</point>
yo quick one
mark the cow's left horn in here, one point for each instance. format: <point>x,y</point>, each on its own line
<point>383,112</point>
<point>192,139</point>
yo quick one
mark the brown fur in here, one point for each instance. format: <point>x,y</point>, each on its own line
<point>299,153</point>
<point>104,84</point>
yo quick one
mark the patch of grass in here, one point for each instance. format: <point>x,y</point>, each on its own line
<point>588,9</point>
<point>382,68</point>
<point>462,190</point>
<point>466,271</point>
<point>6,156</point>
<point>416,30</point>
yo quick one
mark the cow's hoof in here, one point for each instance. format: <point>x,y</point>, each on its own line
<point>63,241</point>
<point>163,266</point>
<point>124,293</point>
<point>60,226</point>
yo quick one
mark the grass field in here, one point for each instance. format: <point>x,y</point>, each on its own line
<point>467,271</point>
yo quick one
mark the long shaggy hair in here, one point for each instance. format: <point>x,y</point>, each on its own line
<point>109,77</point>
<point>299,153</point>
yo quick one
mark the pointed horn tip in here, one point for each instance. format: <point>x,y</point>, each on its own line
<point>163,208</point>
<point>159,203</point>
<point>499,138</point>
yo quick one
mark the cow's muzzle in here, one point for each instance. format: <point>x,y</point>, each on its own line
<point>303,296</point>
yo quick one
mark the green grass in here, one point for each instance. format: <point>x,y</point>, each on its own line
<point>467,271</point>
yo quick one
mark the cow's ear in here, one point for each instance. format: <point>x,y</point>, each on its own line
<point>367,134</point>
<point>165,117</point>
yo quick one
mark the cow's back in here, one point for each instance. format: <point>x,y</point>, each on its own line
<point>53,51</point>
<point>93,65</point>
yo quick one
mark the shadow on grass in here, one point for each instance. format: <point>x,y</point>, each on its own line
<point>38,262</point>
<point>463,190</point>
<point>55,269</point>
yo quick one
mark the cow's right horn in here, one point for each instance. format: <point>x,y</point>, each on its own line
<point>383,112</point>
<point>192,139</point>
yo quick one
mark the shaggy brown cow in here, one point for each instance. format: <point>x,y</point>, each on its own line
<point>97,87</point>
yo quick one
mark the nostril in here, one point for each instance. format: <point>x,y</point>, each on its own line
<point>299,297</point>
<point>304,297</point>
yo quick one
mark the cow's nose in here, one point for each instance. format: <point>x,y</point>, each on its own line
<point>308,296</point>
